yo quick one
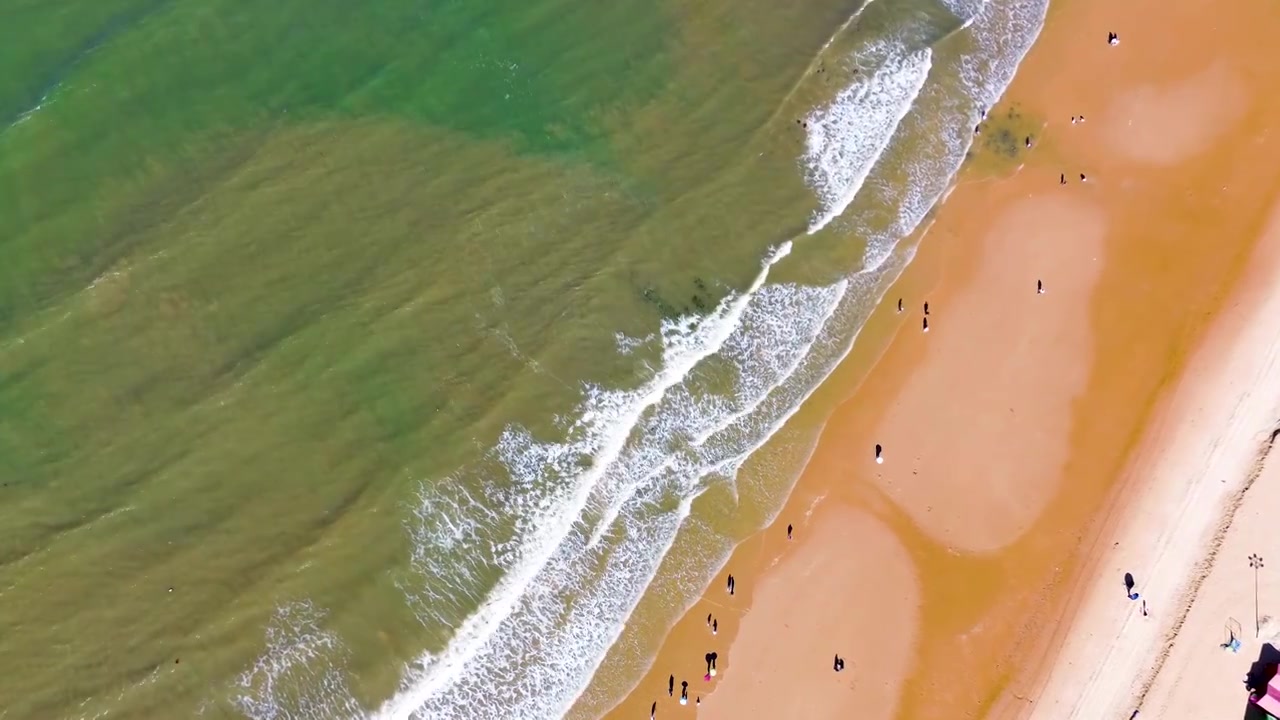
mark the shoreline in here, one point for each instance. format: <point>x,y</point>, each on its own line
<point>1031,559</point>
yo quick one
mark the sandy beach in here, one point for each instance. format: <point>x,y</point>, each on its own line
<point>1038,446</point>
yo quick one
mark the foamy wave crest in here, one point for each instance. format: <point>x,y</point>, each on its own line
<point>724,391</point>
<point>997,36</point>
<point>846,137</point>
<point>301,675</point>
<point>534,664</point>
<point>613,470</point>
<point>965,10</point>
<point>1003,32</point>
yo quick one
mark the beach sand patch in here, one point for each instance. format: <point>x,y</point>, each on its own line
<point>1167,123</point>
<point>850,588</point>
<point>980,434</point>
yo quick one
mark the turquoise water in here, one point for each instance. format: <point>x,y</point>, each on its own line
<point>367,361</point>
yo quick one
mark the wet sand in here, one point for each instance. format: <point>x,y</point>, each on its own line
<point>1009,427</point>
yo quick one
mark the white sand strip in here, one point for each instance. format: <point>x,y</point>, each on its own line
<point>1200,679</point>
<point>1199,454</point>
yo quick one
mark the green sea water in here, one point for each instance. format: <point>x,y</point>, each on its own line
<point>275,278</point>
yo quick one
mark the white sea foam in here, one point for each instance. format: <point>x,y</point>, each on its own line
<point>534,662</point>
<point>847,136</point>
<point>791,317</point>
<point>559,489</point>
<point>1000,35</point>
<point>300,676</point>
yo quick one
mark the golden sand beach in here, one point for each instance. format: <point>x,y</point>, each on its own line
<point>974,573</point>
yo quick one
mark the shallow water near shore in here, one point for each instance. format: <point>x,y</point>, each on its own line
<point>346,351</point>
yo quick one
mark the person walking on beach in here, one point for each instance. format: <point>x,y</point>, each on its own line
<point>684,692</point>
<point>730,584</point>
<point>1144,608</point>
<point>653,710</point>
<point>788,531</point>
<point>879,459</point>
<point>707,657</point>
<point>1039,287</point>
<point>1128,587</point>
<point>715,626</point>
<point>926,307</point>
<point>671,686</point>
<point>899,304</point>
<point>708,618</point>
<point>926,324</point>
<point>1062,178</point>
<point>712,672</point>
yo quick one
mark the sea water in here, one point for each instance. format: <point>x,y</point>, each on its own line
<point>369,362</point>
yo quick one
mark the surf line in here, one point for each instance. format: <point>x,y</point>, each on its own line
<point>795,86</point>
<point>441,671</point>
<point>727,315</point>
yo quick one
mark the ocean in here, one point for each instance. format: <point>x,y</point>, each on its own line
<point>401,359</point>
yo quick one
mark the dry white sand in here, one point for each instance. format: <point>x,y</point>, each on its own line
<point>1176,536</point>
<point>1200,679</point>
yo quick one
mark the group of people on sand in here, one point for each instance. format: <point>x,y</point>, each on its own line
<point>925,319</point>
<point>710,659</point>
<point>684,685</point>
